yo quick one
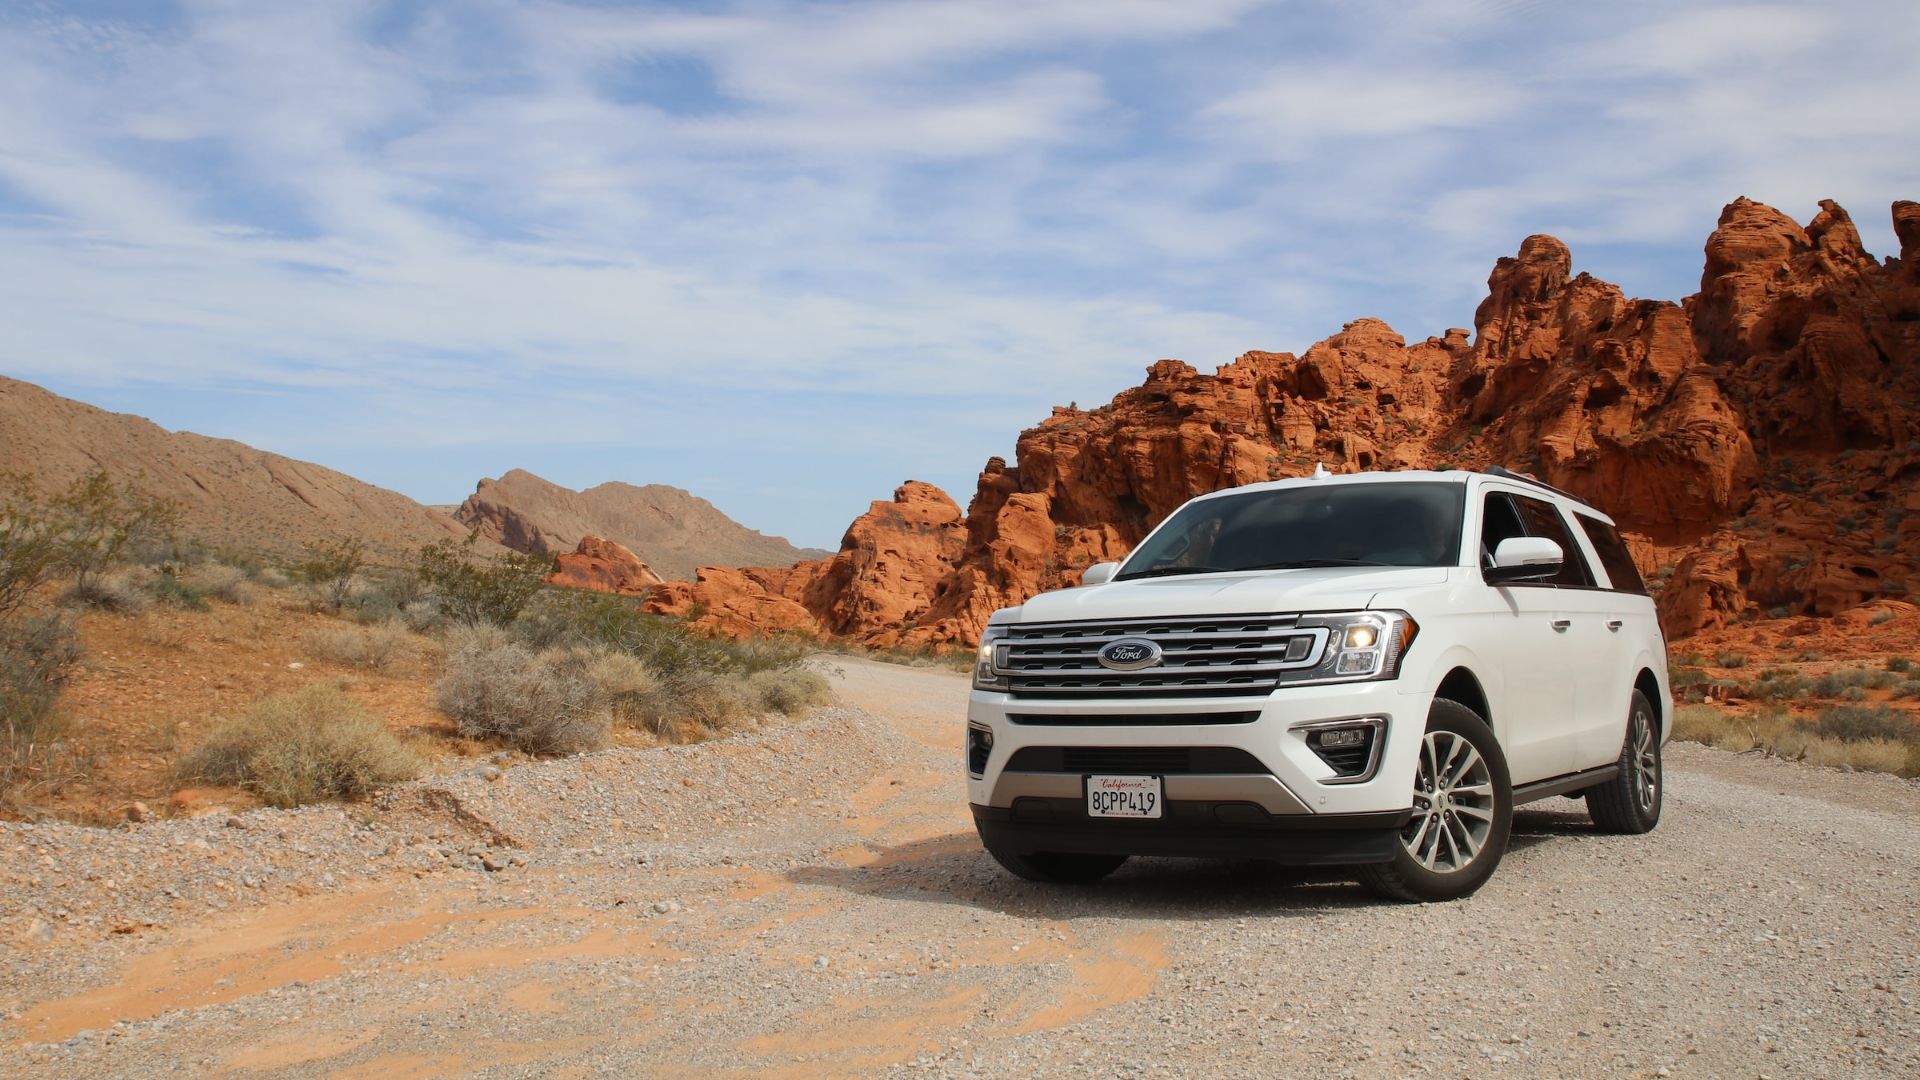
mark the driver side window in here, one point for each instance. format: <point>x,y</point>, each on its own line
<point>1498,521</point>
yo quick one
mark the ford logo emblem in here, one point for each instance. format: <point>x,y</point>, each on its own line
<point>1129,654</point>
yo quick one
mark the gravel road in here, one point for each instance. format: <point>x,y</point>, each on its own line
<point>809,900</point>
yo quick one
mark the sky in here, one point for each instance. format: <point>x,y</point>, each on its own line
<point>789,255</point>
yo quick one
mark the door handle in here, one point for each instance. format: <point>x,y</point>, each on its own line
<point>1613,625</point>
<point>1560,625</point>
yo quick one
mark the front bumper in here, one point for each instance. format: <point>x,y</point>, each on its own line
<point>1278,775</point>
<point>1193,828</point>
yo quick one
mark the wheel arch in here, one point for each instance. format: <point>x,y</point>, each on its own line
<point>1461,685</point>
<point>1649,684</point>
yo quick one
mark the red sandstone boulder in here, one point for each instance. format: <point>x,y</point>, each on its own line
<point>603,566</point>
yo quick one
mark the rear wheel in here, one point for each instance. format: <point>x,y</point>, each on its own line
<point>1462,812</point>
<point>1630,802</point>
<point>1055,867</point>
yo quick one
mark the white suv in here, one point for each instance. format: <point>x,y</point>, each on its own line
<point>1367,670</point>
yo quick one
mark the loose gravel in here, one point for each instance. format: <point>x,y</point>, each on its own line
<point>809,900</point>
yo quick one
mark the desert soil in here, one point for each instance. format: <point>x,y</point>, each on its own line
<point>810,900</point>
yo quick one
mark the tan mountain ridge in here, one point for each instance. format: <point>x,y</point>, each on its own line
<point>671,530</point>
<point>230,494</point>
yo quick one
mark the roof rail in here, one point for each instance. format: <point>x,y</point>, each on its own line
<point>1508,474</point>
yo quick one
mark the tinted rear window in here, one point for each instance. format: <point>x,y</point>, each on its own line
<point>1613,554</point>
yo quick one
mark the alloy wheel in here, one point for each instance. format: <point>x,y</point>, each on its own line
<point>1452,804</point>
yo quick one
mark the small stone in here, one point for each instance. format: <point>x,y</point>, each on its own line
<point>821,963</point>
<point>665,907</point>
<point>139,812</point>
<point>295,666</point>
<point>235,823</point>
<point>490,772</point>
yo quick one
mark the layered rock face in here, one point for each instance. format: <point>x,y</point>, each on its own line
<point>1756,441</point>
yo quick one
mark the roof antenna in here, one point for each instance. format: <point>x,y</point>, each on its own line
<point>1320,470</point>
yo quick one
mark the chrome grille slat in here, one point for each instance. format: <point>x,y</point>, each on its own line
<point>1230,655</point>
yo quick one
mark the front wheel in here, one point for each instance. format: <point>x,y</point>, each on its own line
<point>1462,813</point>
<point>1630,802</point>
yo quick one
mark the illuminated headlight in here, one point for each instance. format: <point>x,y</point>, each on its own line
<point>1364,645</point>
<point>986,673</point>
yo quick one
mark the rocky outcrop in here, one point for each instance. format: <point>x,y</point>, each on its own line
<point>603,566</point>
<point>670,530</point>
<point>1755,441</point>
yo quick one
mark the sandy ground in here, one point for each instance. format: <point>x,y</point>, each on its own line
<point>810,901</point>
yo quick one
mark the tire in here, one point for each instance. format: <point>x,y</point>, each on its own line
<point>1630,802</point>
<point>1054,867</point>
<point>1463,813</point>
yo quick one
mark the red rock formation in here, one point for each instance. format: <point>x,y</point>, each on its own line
<point>1755,441</point>
<point>603,566</point>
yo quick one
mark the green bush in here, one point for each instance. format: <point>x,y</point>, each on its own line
<point>1900,664</point>
<point>1861,723</point>
<point>472,590</point>
<point>328,567</point>
<point>302,746</point>
<point>126,591</point>
<point>169,589</point>
<point>1731,660</point>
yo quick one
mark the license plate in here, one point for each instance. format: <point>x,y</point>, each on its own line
<point>1124,796</point>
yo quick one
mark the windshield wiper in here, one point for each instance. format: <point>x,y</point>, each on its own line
<point>1310,564</point>
<point>1169,571</point>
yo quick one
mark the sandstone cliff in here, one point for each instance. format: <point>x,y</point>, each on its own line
<point>1756,440</point>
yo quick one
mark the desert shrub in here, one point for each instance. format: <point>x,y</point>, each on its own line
<point>575,618</point>
<point>37,653</point>
<point>375,647</point>
<point>789,691</point>
<point>170,589</point>
<point>1731,660</point>
<point>1836,683</point>
<point>622,680</point>
<point>218,581</point>
<point>1779,684</point>
<point>543,703</point>
<point>302,746</point>
<point>328,567</point>
<point>1900,664</point>
<point>1908,689</point>
<point>125,591</point>
<point>1689,683</point>
<point>96,519</point>
<point>471,590</point>
<point>1861,723</point>
<point>1882,616</point>
<point>1869,755</point>
<point>693,705</point>
<point>273,578</point>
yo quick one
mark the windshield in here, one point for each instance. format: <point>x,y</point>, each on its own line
<point>1410,524</point>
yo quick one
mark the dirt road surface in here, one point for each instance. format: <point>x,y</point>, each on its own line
<point>810,901</point>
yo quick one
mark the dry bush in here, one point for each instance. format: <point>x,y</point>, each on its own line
<point>126,591</point>
<point>1871,755</point>
<point>273,578</point>
<point>36,655</point>
<point>375,648</point>
<point>694,705</point>
<point>622,680</point>
<point>1701,723</point>
<point>789,691</point>
<point>543,703</point>
<point>302,746</point>
<point>218,581</point>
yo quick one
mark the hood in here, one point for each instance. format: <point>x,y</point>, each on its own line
<point>1317,589</point>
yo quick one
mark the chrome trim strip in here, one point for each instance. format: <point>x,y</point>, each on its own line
<point>1262,789</point>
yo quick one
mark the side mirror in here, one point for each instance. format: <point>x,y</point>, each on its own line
<point>1099,573</point>
<point>1524,558</point>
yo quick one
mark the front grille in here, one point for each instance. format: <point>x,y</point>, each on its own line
<point>1132,760</point>
<point>1216,655</point>
<point>1133,719</point>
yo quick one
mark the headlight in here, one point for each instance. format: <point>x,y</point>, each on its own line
<point>986,672</point>
<point>1360,645</point>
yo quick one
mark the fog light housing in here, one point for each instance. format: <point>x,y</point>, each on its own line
<point>979,748</point>
<point>1351,748</point>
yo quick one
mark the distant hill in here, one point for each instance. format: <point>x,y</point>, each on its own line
<point>671,530</point>
<point>231,494</point>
